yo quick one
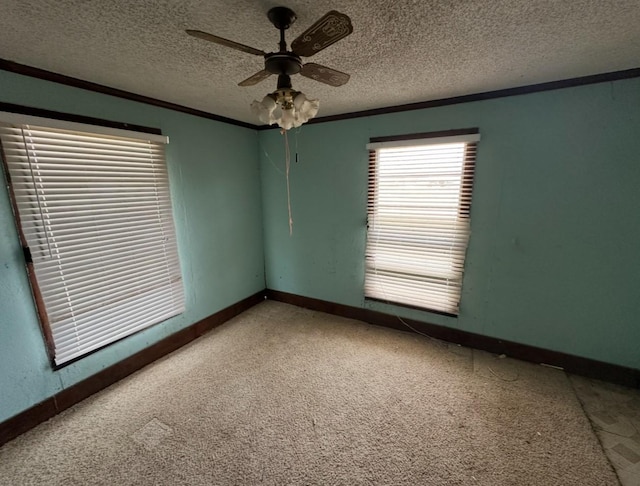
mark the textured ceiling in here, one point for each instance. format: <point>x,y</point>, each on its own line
<point>400,52</point>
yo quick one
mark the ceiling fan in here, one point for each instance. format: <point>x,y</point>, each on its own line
<point>329,29</point>
<point>284,63</point>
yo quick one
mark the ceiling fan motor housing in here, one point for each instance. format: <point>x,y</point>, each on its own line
<point>282,63</point>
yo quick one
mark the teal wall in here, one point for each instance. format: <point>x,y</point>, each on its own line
<point>215,186</point>
<point>552,260</point>
<point>553,257</point>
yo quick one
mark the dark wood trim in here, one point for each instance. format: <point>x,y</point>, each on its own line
<point>68,397</point>
<point>84,389</point>
<point>468,177</point>
<point>413,307</point>
<point>573,364</point>
<point>57,115</point>
<point>467,173</point>
<point>488,95</point>
<point>414,136</point>
<point>51,406</point>
<point>27,420</point>
<point>34,72</point>
<point>214,320</point>
<point>43,318</point>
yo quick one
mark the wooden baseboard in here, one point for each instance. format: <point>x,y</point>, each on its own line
<point>573,364</point>
<point>68,397</point>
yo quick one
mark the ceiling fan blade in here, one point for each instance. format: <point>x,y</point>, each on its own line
<point>324,74</point>
<point>331,27</point>
<point>255,79</point>
<point>225,42</point>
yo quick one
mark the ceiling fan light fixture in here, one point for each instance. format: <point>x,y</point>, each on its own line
<point>286,108</point>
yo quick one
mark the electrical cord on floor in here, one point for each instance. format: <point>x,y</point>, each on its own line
<point>439,342</point>
<point>446,345</point>
<point>501,378</point>
<point>442,344</point>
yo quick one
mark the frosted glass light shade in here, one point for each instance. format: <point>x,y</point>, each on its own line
<point>305,108</point>
<point>264,109</point>
<point>272,110</point>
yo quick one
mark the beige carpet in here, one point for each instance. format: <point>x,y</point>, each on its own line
<point>285,396</point>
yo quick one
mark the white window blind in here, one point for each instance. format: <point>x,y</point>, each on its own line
<point>418,220</point>
<point>95,212</point>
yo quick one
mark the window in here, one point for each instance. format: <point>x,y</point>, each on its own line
<point>418,218</point>
<point>94,216</point>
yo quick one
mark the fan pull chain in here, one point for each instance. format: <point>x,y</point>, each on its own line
<point>288,166</point>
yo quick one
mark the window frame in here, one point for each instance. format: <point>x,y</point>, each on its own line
<point>19,115</point>
<point>464,207</point>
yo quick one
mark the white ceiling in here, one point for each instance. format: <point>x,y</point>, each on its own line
<point>400,52</point>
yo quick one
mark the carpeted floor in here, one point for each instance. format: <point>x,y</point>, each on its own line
<point>286,396</point>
